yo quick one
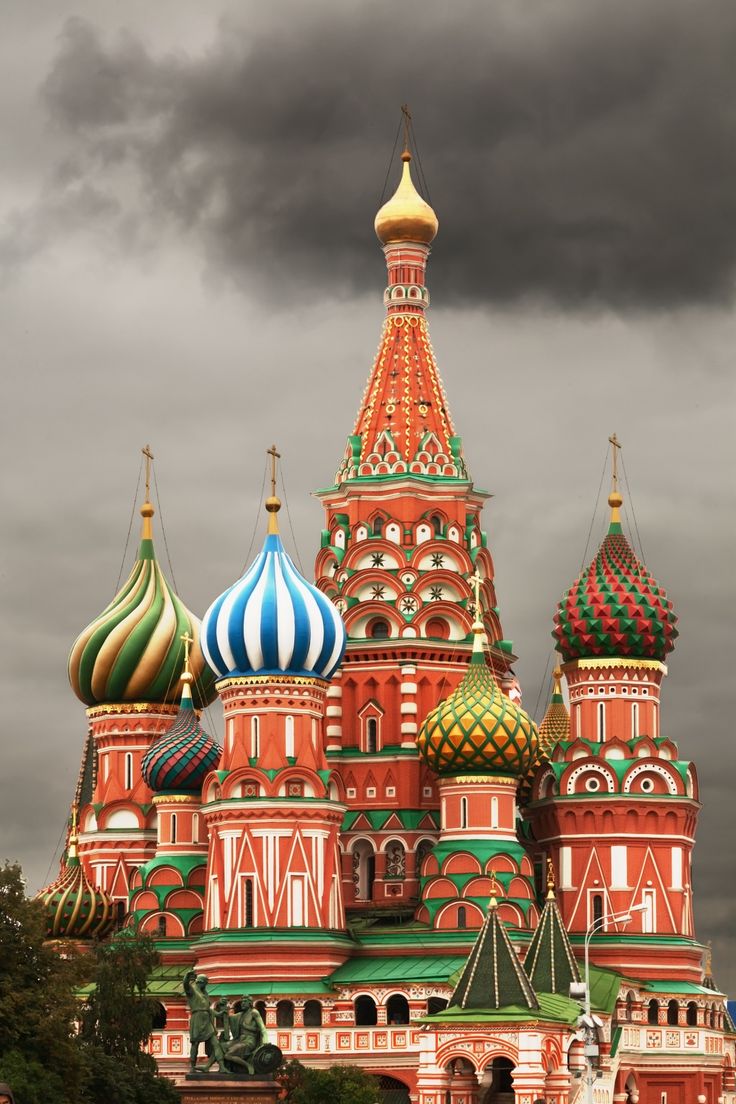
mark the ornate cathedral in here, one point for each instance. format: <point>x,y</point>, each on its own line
<point>386,854</point>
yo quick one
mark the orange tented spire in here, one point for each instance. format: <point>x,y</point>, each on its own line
<point>404,426</point>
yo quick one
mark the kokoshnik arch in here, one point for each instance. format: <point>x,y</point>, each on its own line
<point>385,853</point>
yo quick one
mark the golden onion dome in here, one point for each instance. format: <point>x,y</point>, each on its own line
<point>406,216</point>
<point>478,729</point>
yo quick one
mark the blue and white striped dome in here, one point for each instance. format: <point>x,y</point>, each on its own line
<point>273,622</point>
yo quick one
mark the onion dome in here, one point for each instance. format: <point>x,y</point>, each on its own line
<point>178,761</point>
<point>478,729</point>
<point>615,607</point>
<point>132,652</point>
<point>406,216</point>
<point>555,724</point>
<point>272,621</point>
<point>75,909</point>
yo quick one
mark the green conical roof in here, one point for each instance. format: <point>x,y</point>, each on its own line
<point>550,964</point>
<point>493,976</point>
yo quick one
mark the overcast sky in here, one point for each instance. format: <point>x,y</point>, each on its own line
<point>187,257</point>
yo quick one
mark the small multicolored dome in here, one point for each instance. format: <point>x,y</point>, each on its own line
<point>133,651</point>
<point>75,909</point>
<point>180,760</point>
<point>555,725</point>
<point>478,729</point>
<point>615,607</point>
<point>272,621</point>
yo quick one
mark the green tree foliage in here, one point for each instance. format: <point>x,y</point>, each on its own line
<point>55,1049</point>
<point>39,1051</point>
<point>346,1084</point>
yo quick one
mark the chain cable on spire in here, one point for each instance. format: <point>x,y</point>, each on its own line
<point>595,510</point>
<point>542,684</point>
<point>257,520</point>
<point>390,163</point>
<point>291,526</point>
<point>130,526</point>
<point>422,176</point>
<point>630,502</point>
<point>163,528</point>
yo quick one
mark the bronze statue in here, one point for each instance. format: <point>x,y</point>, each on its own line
<point>247,1035</point>
<point>201,1022</point>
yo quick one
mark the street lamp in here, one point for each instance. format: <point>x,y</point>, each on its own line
<point>588,1021</point>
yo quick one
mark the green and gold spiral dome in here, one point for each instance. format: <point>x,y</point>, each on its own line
<point>478,729</point>
<point>74,908</point>
<point>133,651</point>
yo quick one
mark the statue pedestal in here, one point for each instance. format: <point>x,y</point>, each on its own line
<point>228,1088</point>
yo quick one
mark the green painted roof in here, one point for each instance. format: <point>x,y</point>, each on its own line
<point>493,976</point>
<point>368,969</point>
<point>552,1007</point>
<point>550,964</point>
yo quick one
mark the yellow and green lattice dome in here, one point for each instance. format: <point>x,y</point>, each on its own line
<point>478,729</point>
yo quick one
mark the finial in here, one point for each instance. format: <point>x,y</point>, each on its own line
<point>557,682</point>
<point>708,969</point>
<point>496,890</point>
<point>475,581</point>
<point>550,880</point>
<point>71,851</point>
<point>615,498</point>
<point>186,676</point>
<point>273,504</point>
<point>406,155</point>
<point>147,510</point>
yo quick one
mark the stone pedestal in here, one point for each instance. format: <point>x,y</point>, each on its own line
<point>225,1088</point>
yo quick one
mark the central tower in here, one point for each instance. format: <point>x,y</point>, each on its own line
<point>402,538</point>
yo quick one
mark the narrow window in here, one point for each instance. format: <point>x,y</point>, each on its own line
<point>463,812</point>
<point>248,903</point>
<point>653,1012</point>
<point>378,526</point>
<point>379,630</point>
<point>129,770</point>
<point>597,909</point>
<point>601,722</point>
<point>289,737</point>
<point>371,735</point>
<point>648,919</point>
<point>195,828</point>
<point>494,812</point>
<point>691,1014</point>
<point>673,1013</point>
<point>173,828</point>
<point>634,720</point>
<point>255,740</point>
<point>462,917</point>
<point>436,521</point>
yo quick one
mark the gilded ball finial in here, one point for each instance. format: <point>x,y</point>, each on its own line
<point>147,510</point>
<point>273,504</point>
<point>615,500</point>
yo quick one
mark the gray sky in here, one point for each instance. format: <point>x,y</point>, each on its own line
<point>187,257</point>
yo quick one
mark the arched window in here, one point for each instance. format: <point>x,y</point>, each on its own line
<point>248,903</point>
<point>161,926</point>
<point>503,1077</point>
<point>289,737</point>
<point>673,1013</point>
<point>713,1018</point>
<point>462,917</point>
<point>285,1014</point>
<point>597,909</point>
<point>260,1007</point>
<point>364,870</point>
<point>366,1013</point>
<point>395,860</point>
<point>397,1009</point>
<point>435,1005</point>
<point>371,735</point>
<point>653,1012</point>
<point>378,523</point>
<point>313,1013</point>
<point>159,1017</point>
<point>629,1006</point>
<point>436,523</point>
<point>129,770</point>
<point>423,848</point>
<point>379,629</point>
<point>691,1014</point>
<point>255,741</point>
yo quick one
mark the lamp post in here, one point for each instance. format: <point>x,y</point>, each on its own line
<point>590,1024</point>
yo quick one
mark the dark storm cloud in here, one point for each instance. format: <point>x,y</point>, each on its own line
<point>578,152</point>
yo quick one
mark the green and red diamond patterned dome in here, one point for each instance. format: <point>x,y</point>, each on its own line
<point>615,607</point>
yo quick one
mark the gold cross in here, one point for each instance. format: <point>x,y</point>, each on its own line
<point>149,457</point>
<point>407,123</point>
<point>187,641</point>
<point>274,457</point>
<point>615,446</point>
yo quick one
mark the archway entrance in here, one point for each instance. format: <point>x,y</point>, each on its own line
<point>501,1086</point>
<point>392,1090</point>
